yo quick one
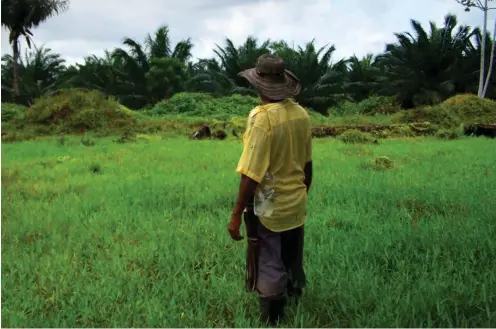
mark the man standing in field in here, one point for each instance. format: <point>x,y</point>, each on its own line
<point>276,173</point>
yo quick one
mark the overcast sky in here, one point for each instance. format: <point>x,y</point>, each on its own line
<point>353,26</point>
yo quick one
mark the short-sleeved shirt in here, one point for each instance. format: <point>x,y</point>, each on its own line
<point>276,146</point>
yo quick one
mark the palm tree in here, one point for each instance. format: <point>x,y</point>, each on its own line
<point>219,76</point>
<point>159,46</point>
<point>39,74</point>
<point>19,17</point>
<point>207,76</point>
<point>140,63</point>
<point>422,69</point>
<point>236,59</point>
<point>362,77</point>
<point>322,81</point>
<point>104,74</point>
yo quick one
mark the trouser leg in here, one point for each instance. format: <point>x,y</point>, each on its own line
<point>292,243</point>
<point>272,276</point>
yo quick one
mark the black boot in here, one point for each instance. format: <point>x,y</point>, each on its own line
<point>272,310</point>
<point>294,294</point>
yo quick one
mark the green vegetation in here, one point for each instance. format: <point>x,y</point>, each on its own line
<point>418,69</point>
<point>460,109</point>
<point>107,221</point>
<point>355,136</point>
<point>13,112</point>
<point>90,239</point>
<point>77,111</point>
<point>206,106</point>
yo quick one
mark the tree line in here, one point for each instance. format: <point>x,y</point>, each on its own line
<point>421,67</point>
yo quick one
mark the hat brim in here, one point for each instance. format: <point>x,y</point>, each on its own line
<point>289,87</point>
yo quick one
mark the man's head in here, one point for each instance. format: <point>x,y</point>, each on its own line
<point>271,79</point>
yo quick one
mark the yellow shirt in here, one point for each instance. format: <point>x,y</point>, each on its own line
<point>276,146</point>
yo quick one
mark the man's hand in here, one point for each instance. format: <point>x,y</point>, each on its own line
<point>234,226</point>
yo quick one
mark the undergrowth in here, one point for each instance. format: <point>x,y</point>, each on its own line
<point>76,111</point>
<point>354,136</point>
<point>457,110</point>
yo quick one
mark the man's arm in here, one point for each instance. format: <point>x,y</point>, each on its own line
<point>252,167</point>
<point>308,169</point>
<point>308,174</point>
<point>247,187</point>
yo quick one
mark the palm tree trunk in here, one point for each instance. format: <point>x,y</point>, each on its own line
<point>491,62</point>
<point>15,67</point>
<point>483,52</point>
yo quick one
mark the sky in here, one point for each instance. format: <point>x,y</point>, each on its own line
<point>353,26</point>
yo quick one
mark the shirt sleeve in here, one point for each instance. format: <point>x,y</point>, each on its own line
<point>255,159</point>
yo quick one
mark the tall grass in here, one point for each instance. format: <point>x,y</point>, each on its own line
<point>128,235</point>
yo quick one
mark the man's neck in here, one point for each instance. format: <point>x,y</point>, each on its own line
<point>266,101</point>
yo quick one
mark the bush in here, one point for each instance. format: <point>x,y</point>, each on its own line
<point>374,105</point>
<point>378,105</point>
<point>347,108</point>
<point>379,164</point>
<point>437,115</point>
<point>76,110</point>
<point>12,111</point>
<point>383,162</point>
<point>472,109</point>
<point>204,105</point>
<point>460,109</point>
<point>449,134</point>
<point>354,136</point>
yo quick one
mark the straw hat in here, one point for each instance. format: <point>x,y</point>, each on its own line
<point>271,79</point>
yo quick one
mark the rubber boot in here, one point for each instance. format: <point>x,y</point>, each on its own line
<point>294,294</point>
<point>272,310</point>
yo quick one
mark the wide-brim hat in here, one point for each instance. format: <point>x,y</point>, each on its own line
<point>271,79</point>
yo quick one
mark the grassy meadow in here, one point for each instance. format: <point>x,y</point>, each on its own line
<point>134,235</point>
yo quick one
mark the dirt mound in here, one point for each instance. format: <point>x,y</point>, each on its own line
<point>378,131</point>
<point>472,109</point>
<point>459,109</point>
<point>78,110</point>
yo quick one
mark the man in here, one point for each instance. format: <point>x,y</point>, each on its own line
<point>276,173</point>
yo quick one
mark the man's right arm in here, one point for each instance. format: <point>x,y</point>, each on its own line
<point>308,169</point>
<point>308,174</point>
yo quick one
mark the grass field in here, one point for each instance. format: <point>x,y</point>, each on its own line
<point>134,235</point>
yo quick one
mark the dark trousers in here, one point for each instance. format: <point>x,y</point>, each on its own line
<point>280,259</point>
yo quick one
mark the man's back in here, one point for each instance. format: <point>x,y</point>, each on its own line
<point>283,130</point>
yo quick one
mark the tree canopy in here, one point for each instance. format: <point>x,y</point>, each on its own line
<point>424,66</point>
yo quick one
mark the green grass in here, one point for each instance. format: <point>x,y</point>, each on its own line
<point>134,235</point>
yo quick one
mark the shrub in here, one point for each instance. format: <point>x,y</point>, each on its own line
<point>472,109</point>
<point>448,134</point>
<point>379,164</point>
<point>347,108</point>
<point>12,111</point>
<point>374,105</point>
<point>378,105</point>
<point>402,131</point>
<point>354,136</point>
<point>382,163</point>
<point>438,115</point>
<point>204,105</point>
<point>95,168</point>
<point>77,110</point>
<point>87,141</point>
<point>460,109</point>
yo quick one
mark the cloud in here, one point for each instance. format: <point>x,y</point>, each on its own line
<point>353,26</point>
